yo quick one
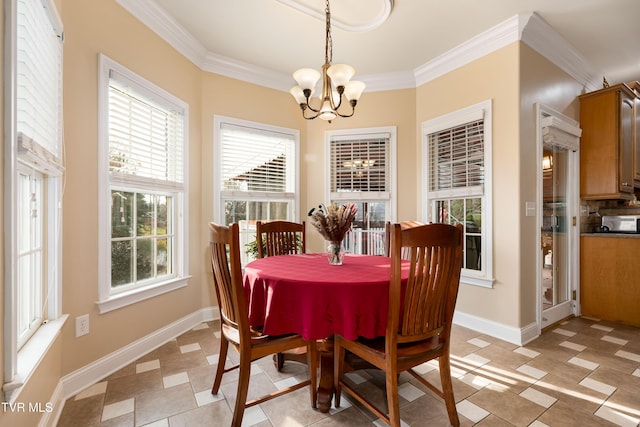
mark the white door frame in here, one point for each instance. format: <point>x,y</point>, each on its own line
<point>548,117</point>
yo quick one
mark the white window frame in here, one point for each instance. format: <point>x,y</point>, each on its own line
<point>362,133</point>
<point>390,196</point>
<point>483,110</point>
<point>109,298</point>
<point>220,196</point>
<point>22,153</point>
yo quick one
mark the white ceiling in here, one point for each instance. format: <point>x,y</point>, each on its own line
<point>384,37</point>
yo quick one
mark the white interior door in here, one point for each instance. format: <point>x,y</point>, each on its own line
<point>558,258</point>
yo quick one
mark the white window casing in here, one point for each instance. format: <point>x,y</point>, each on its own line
<point>143,154</point>
<point>459,169</point>
<point>34,174</point>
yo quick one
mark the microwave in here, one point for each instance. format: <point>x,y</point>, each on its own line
<point>621,223</point>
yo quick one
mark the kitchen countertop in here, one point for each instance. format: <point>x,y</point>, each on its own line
<point>609,234</point>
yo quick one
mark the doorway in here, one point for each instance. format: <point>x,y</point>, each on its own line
<point>558,258</point>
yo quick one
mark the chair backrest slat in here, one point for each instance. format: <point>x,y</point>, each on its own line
<point>434,252</point>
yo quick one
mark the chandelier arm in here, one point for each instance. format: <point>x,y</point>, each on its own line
<point>353,110</point>
<point>310,117</point>
<point>308,106</point>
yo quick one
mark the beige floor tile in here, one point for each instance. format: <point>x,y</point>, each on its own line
<point>563,414</point>
<point>130,386</point>
<point>164,403</point>
<point>488,388</point>
<point>508,406</point>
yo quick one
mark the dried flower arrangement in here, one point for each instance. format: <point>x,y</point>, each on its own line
<point>333,221</point>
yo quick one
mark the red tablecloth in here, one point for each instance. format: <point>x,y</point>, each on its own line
<point>304,294</point>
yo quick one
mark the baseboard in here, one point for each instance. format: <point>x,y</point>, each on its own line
<point>50,419</point>
<point>519,336</point>
<point>92,373</point>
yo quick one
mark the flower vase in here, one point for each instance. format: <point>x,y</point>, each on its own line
<point>335,253</point>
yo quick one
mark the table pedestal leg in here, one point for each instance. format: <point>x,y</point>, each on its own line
<point>325,384</point>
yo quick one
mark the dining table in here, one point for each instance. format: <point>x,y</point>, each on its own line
<point>304,294</point>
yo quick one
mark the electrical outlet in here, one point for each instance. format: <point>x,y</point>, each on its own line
<point>82,325</point>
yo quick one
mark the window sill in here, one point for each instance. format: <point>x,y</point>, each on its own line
<point>124,299</point>
<point>31,354</point>
<point>477,281</point>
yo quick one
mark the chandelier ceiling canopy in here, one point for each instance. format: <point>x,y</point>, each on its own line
<point>337,85</point>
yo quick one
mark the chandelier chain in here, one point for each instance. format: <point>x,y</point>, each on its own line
<point>328,47</point>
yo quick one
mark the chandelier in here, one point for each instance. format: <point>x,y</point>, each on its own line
<point>336,84</point>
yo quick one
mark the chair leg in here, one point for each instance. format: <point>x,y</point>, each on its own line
<point>278,361</point>
<point>222,359</point>
<point>393,401</point>
<point>312,363</point>
<point>243,389</point>
<point>447,389</point>
<point>338,371</point>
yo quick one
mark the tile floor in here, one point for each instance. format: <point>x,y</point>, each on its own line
<point>583,372</point>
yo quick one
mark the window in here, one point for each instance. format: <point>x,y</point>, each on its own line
<point>362,171</point>
<point>256,175</point>
<point>457,165</point>
<point>143,188</point>
<point>30,254</point>
<point>34,177</point>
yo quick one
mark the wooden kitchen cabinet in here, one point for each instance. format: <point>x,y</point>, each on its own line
<point>607,145</point>
<point>609,287</point>
<point>635,86</point>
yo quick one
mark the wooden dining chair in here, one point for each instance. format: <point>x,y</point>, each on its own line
<point>280,238</point>
<point>250,343</point>
<point>387,233</point>
<point>419,326</point>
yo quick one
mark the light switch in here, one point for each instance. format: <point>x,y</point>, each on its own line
<point>530,208</point>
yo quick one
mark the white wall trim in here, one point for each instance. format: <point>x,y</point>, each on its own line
<point>50,419</point>
<point>519,336</point>
<point>163,24</point>
<point>530,28</point>
<point>481,45</point>
<point>542,38</point>
<point>80,379</point>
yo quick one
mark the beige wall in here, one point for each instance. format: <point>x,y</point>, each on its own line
<point>514,78</point>
<point>104,27</point>
<point>540,82</point>
<point>493,77</point>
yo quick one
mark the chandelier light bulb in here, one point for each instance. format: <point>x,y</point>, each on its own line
<point>353,90</point>
<point>326,112</point>
<point>340,74</point>
<point>298,94</point>
<point>306,78</point>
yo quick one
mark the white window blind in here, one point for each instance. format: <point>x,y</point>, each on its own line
<point>145,135</point>
<point>457,157</point>
<point>39,87</point>
<point>360,164</point>
<point>257,159</point>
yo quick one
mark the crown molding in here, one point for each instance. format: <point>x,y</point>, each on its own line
<point>240,70</point>
<point>529,28</point>
<point>160,22</point>
<point>381,18</point>
<point>481,45</point>
<point>542,38</point>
